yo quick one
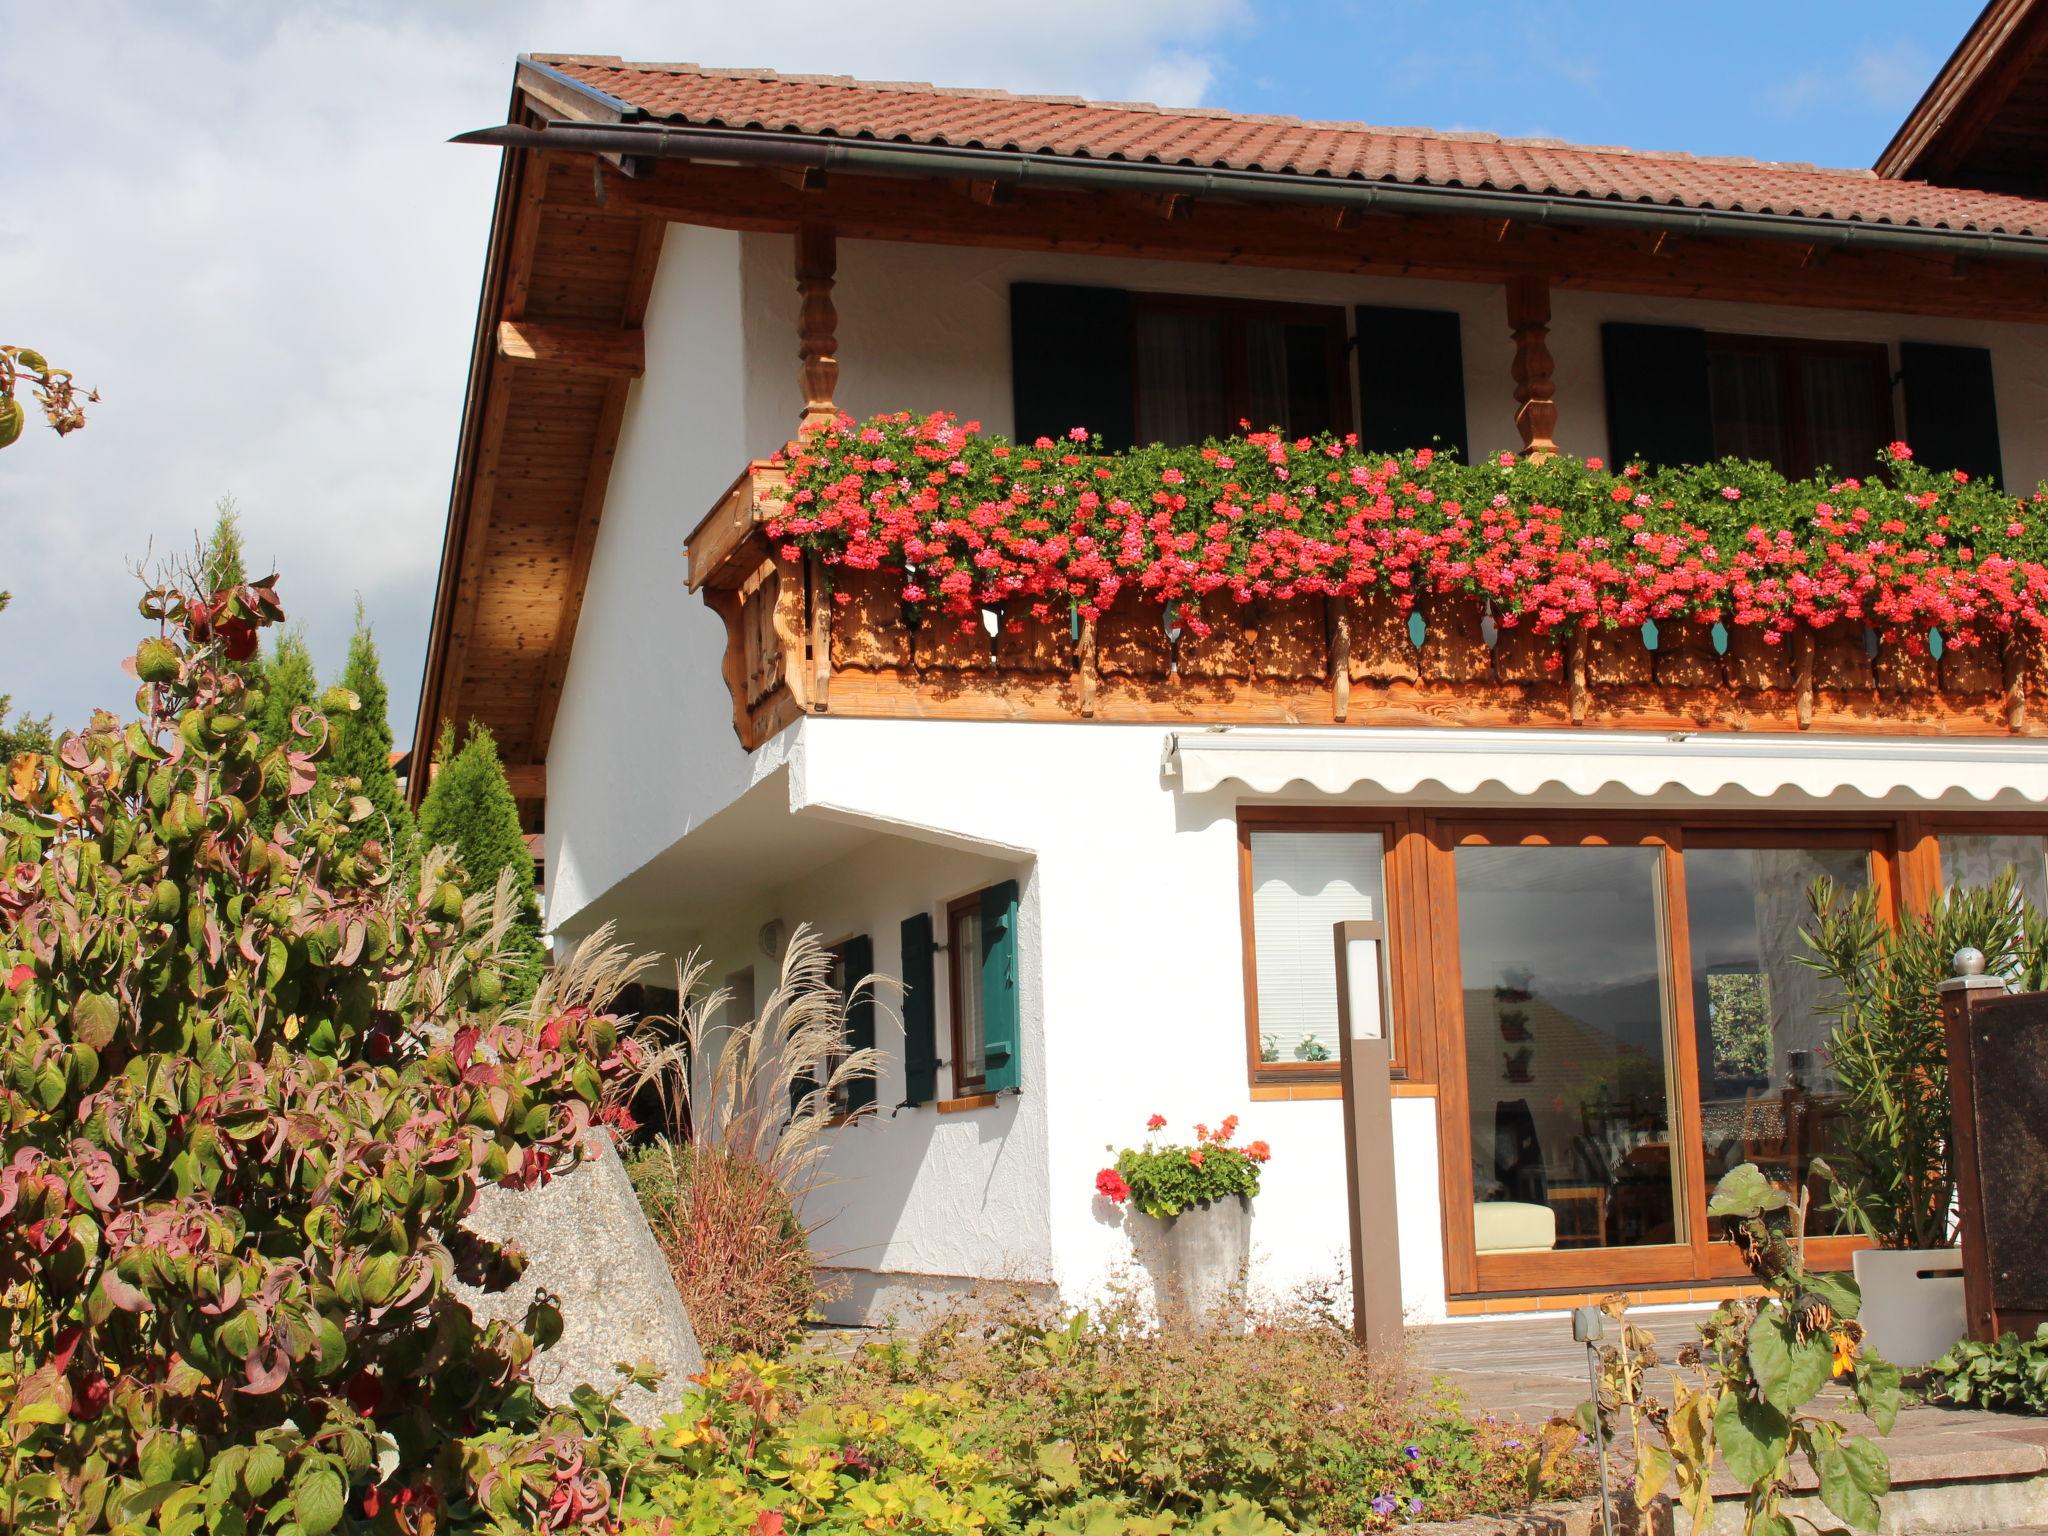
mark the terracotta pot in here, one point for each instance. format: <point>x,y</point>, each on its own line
<point>1685,656</point>
<point>868,632</point>
<point>1382,650</point>
<point>1912,1301</point>
<point>1454,647</point>
<point>1198,1261</point>
<point>1292,640</point>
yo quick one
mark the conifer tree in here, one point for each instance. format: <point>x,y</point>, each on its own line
<point>220,565</point>
<point>288,683</point>
<point>470,807</point>
<point>363,747</point>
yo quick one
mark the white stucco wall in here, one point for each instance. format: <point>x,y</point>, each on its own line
<point>1132,985</point>
<point>928,327</point>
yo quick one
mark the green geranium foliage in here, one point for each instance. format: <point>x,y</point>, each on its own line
<point>250,1084</point>
<point>2010,1373</point>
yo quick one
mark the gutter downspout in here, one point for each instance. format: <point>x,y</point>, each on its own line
<point>1011,168</point>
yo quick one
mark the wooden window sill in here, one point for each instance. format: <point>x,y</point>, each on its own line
<point>967,1102</point>
<point>1272,1093</point>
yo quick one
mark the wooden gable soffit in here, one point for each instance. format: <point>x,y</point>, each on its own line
<point>1989,89</point>
<point>1452,246</point>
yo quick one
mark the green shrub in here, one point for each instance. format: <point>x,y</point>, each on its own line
<point>1292,1416</point>
<point>1889,1172</point>
<point>1164,1179</point>
<point>1020,1425</point>
<point>469,807</point>
<point>250,1084</point>
<point>2010,1375</point>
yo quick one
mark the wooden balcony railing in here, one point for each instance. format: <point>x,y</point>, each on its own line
<point>804,638</point>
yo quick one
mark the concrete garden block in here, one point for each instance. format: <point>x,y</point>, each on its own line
<point>587,1242</point>
<point>1912,1301</point>
<point>1198,1261</point>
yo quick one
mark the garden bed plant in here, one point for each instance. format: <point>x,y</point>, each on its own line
<point>965,520</point>
<point>1020,1421</point>
<point>1162,1179</point>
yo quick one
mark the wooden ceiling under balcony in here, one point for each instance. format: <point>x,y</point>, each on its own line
<point>571,263</point>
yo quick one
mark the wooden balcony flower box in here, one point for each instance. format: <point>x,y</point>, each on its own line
<point>807,637</point>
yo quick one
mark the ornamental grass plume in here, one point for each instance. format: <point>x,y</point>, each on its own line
<point>745,1105</point>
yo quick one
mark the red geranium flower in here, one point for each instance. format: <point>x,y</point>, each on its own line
<point>1111,1186</point>
<point>1258,1151</point>
<point>1156,1123</point>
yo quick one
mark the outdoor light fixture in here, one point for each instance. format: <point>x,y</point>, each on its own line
<point>1366,1068</point>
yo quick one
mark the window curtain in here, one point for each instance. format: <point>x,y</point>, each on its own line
<point>1272,402</point>
<point>1303,884</point>
<point>1181,389</point>
<point>1749,416</point>
<point>1841,414</point>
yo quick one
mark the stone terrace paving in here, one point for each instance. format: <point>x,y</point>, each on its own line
<point>1952,1469</point>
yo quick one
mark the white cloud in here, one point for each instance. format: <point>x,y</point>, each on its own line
<point>244,226</point>
<point>1889,79</point>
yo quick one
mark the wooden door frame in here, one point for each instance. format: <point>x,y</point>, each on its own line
<point>1698,1258</point>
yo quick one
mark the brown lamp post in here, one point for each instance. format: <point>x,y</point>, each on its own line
<point>1365,1058</point>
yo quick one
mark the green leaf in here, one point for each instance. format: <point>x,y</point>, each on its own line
<point>1839,1291</point>
<point>1788,1369</point>
<point>261,1472</point>
<point>11,418</point>
<point>1743,1191</point>
<point>240,1334</point>
<point>1877,1391</point>
<point>317,1497</point>
<point>1854,1478</point>
<point>1754,1437</point>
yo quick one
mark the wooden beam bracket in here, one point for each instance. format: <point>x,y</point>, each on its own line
<point>585,349</point>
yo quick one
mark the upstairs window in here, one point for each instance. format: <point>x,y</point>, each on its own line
<point>1144,368</point>
<point>1800,405</point>
<point>1205,365</point>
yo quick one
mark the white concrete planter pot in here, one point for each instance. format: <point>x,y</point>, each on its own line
<point>1198,1261</point>
<point>1912,1301</point>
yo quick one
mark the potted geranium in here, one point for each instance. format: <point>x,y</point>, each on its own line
<point>1887,1157</point>
<point>1196,1197</point>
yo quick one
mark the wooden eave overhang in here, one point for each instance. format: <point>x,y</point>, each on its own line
<point>1983,121</point>
<point>576,234</point>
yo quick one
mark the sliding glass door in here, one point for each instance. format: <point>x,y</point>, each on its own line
<point>1636,1019</point>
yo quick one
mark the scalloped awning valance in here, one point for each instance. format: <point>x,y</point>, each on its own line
<point>1954,771</point>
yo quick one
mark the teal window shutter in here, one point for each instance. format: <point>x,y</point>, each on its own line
<point>920,1013</point>
<point>856,963</point>
<point>1000,1021</point>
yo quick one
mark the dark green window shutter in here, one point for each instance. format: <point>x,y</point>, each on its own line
<point>1001,1025</point>
<point>1660,406</point>
<point>1951,414</point>
<point>1411,379</point>
<point>1070,362</point>
<point>856,963</point>
<point>920,1013</point>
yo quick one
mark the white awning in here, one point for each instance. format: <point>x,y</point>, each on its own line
<point>1995,771</point>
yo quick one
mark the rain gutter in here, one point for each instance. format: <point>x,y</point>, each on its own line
<point>749,147</point>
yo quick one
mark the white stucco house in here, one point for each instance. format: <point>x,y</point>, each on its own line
<point>1109,883</point>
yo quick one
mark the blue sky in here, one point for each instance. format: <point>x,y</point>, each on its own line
<point>243,224</point>
<point>1811,80</point>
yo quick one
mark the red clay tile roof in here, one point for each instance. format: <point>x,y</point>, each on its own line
<point>1207,138</point>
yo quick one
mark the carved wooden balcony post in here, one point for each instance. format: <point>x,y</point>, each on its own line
<point>817,260</point>
<point>1535,387</point>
